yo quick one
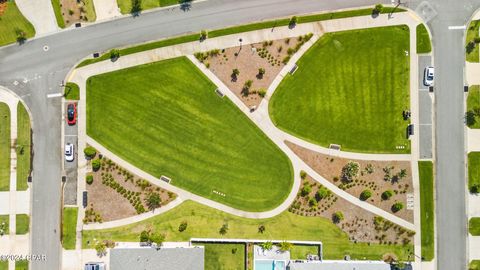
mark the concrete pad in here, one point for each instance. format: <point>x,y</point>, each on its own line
<point>4,203</point>
<point>473,205</point>
<point>474,243</point>
<point>71,260</point>
<point>40,14</point>
<point>473,137</point>
<point>22,199</point>
<point>472,73</point>
<point>106,9</point>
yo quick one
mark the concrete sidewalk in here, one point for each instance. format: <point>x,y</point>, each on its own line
<point>106,9</point>
<point>40,14</point>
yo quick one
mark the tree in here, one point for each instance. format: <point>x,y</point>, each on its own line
<point>224,229</point>
<point>266,245</point>
<point>89,179</point>
<point>157,239</point>
<point>312,202</point>
<point>114,54</point>
<point>21,36</point>
<point>365,195</point>
<point>303,174</point>
<point>293,21</point>
<point>285,246</point>
<point>387,194</point>
<point>246,87</point>
<point>337,217</point>
<point>153,200</point>
<point>235,72</point>
<point>203,34</point>
<point>90,152</point>
<point>305,190</point>
<point>350,171</point>
<point>397,207</point>
<point>378,9</point>
<point>475,188</point>
<point>96,164</point>
<point>402,174</point>
<point>261,229</point>
<point>322,193</point>
<point>136,7</point>
<point>145,236</point>
<point>101,248</point>
<point>470,118</point>
<point>183,226</point>
<point>261,71</point>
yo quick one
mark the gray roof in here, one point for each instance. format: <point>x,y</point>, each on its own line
<point>151,259</point>
<point>340,265</point>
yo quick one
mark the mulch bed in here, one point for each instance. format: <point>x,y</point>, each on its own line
<point>108,201</point>
<point>72,12</point>
<point>358,223</point>
<point>248,59</point>
<point>330,168</point>
<point>3,7</point>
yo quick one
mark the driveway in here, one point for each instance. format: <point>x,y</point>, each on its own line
<point>40,14</point>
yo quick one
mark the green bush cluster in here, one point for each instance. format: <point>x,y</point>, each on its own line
<point>89,179</point>
<point>96,164</point>
<point>397,207</point>
<point>132,196</point>
<point>387,194</point>
<point>365,195</point>
<point>91,216</point>
<point>337,217</point>
<point>90,152</point>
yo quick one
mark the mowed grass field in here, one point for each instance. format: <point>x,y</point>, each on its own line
<point>23,147</point>
<point>350,89</point>
<point>473,104</point>
<point>69,227</point>
<point>166,119</point>
<point>206,222</point>
<point>126,5</point>
<point>473,169</point>
<point>423,39</point>
<point>427,206</point>
<point>12,20</point>
<point>4,147</point>
<point>224,256</point>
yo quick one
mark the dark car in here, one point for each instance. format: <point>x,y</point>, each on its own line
<point>71,113</point>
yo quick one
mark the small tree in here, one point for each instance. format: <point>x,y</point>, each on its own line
<point>365,195</point>
<point>96,164</point>
<point>261,71</point>
<point>21,35</point>
<point>303,174</point>
<point>224,229</point>
<point>246,87</point>
<point>203,34</point>
<point>285,246</point>
<point>114,54</point>
<point>397,207</point>
<point>378,9</point>
<point>235,72</point>
<point>387,194</point>
<point>183,226</point>
<point>293,21</point>
<point>90,152</point>
<point>157,239</point>
<point>266,245</point>
<point>470,118</point>
<point>322,193</point>
<point>337,217</point>
<point>145,236</point>
<point>101,248</point>
<point>136,7</point>
<point>261,229</point>
<point>402,174</point>
<point>89,179</point>
<point>305,190</point>
<point>153,200</point>
<point>350,171</point>
<point>475,188</point>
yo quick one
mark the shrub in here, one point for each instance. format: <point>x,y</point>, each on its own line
<point>145,236</point>
<point>203,34</point>
<point>224,229</point>
<point>285,246</point>
<point>114,54</point>
<point>262,92</point>
<point>21,35</point>
<point>290,51</point>
<point>365,195</point>
<point>397,207</point>
<point>136,6</point>
<point>266,245</point>
<point>470,118</point>
<point>71,12</point>
<point>312,202</point>
<point>337,217</point>
<point>89,179</point>
<point>293,21</point>
<point>157,238</point>
<point>183,226</point>
<point>286,59</point>
<point>402,174</point>
<point>153,200</point>
<point>261,71</point>
<point>369,168</point>
<point>475,189</point>
<point>261,229</point>
<point>322,193</point>
<point>378,8</point>
<point>303,174</point>
<point>96,164</point>
<point>90,152</point>
<point>306,190</point>
<point>387,194</point>
<point>350,171</point>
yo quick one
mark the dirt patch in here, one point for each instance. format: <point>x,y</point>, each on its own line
<point>73,11</point>
<point>314,200</point>
<point>271,56</point>
<point>379,177</point>
<point>116,193</point>
<point>3,7</point>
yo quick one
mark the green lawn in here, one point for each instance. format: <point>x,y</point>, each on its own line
<point>12,20</point>
<point>474,226</point>
<point>473,104</point>
<point>69,227</point>
<point>21,265</point>
<point>423,39</point>
<point>22,224</point>
<point>206,222</point>
<point>238,29</point>
<point>166,119</point>
<point>472,33</point>
<point>90,10</point>
<point>58,13</point>
<point>4,219</point>
<point>300,252</point>
<point>72,91</point>
<point>3,265</point>
<point>23,147</point>
<point>425,169</point>
<point>126,5</point>
<point>350,89</point>
<point>4,147</point>
<point>473,169</point>
<point>224,256</point>
<point>474,265</point>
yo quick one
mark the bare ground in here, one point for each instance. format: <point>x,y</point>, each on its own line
<point>330,168</point>
<point>358,223</point>
<point>110,203</point>
<point>72,11</point>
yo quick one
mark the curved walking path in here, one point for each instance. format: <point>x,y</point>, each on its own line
<point>260,117</point>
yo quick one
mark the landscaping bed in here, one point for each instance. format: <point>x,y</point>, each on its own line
<point>257,65</point>
<point>166,119</point>
<point>350,89</point>
<point>315,200</point>
<point>116,193</point>
<point>72,11</point>
<point>378,177</point>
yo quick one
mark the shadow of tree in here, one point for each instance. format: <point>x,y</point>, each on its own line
<point>185,5</point>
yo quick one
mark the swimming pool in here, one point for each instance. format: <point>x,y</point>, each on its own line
<point>269,265</point>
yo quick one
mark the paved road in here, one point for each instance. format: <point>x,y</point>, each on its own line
<point>44,70</point>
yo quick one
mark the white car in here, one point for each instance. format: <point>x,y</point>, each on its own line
<point>69,152</point>
<point>428,76</point>
<point>95,266</point>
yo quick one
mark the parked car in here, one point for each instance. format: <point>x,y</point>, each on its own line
<point>95,266</point>
<point>71,113</point>
<point>69,152</point>
<point>428,76</point>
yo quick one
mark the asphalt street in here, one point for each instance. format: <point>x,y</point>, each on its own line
<point>425,110</point>
<point>38,67</point>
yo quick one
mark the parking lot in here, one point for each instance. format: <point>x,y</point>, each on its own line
<point>70,188</point>
<point>425,110</point>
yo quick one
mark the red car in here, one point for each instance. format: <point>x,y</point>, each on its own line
<point>71,113</point>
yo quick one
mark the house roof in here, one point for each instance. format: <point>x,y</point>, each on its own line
<point>340,265</point>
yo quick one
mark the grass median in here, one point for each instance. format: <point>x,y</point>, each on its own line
<point>206,222</point>
<point>471,44</point>
<point>427,213</point>
<point>350,89</point>
<point>473,169</point>
<point>69,227</point>
<point>166,119</point>
<point>24,145</point>
<point>4,147</point>
<point>474,226</point>
<point>423,39</point>
<point>22,223</point>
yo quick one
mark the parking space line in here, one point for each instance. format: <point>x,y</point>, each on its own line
<point>72,135</point>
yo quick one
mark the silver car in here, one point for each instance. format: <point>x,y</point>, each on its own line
<point>428,76</point>
<point>69,152</point>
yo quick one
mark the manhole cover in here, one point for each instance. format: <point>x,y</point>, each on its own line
<point>45,48</point>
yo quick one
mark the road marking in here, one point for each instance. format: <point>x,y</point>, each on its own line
<point>457,27</point>
<point>54,95</point>
<point>425,124</point>
<point>67,135</point>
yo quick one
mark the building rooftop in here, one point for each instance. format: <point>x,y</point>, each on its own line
<point>148,258</point>
<point>340,265</point>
